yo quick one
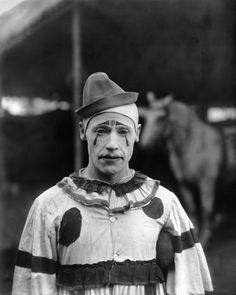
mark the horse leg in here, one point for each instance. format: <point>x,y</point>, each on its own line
<point>189,203</point>
<point>207,197</point>
<point>185,191</point>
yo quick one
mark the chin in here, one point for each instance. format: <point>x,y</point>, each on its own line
<point>110,171</point>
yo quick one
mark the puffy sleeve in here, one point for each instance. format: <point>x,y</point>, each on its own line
<point>35,269</point>
<point>190,274</point>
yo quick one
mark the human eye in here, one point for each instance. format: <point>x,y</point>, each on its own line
<point>123,131</point>
<point>101,130</point>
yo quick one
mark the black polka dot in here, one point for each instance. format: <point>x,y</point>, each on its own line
<point>154,209</point>
<point>70,227</point>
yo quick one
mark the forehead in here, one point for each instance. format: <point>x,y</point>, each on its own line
<point>111,119</point>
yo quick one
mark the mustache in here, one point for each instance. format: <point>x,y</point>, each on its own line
<point>110,156</point>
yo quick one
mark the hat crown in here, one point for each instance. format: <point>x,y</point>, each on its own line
<point>101,93</point>
<point>98,86</point>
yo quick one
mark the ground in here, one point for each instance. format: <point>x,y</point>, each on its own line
<point>221,256</point>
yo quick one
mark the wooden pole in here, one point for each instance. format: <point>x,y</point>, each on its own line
<point>2,187</point>
<point>205,60</point>
<point>77,73</point>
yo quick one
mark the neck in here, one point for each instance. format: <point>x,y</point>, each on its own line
<point>93,173</point>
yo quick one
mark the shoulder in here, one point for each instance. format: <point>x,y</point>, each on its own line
<point>50,200</point>
<point>162,192</point>
<point>167,196</point>
<point>162,198</point>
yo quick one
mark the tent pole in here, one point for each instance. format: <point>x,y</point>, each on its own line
<point>3,180</point>
<point>77,73</point>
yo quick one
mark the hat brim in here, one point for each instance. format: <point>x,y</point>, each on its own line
<point>105,103</point>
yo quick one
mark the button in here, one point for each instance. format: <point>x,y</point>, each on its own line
<point>112,218</point>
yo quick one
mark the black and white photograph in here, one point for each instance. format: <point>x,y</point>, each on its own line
<point>117,147</point>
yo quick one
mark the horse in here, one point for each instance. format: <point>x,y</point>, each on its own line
<point>195,153</point>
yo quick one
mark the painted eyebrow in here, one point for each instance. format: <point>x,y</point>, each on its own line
<point>102,124</point>
<point>119,123</point>
<point>112,122</point>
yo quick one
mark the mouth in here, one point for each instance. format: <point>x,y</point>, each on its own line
<point>109,157</point>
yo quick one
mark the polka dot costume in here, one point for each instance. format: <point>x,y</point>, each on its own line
<point>83,236</point>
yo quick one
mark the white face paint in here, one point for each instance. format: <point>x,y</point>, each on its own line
<point>129,110</point>
<point>110,137</point>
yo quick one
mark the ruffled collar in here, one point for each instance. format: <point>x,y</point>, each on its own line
<point>134,182</point>
<point>136,192</point>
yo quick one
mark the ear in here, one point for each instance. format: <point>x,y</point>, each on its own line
<point>151,97</point>
<point>82,131</point>
<point>168,99</point>
<point>138,133</point>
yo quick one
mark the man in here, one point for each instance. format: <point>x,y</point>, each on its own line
<point>96,233</point>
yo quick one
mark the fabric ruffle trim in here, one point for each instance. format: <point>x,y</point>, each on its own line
<point>109,273</point>
<point>100,187</point>
<point>137,192</point>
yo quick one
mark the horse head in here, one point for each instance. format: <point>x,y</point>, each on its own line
<point>155,120</point>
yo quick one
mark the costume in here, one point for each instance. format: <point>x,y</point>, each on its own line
<point>85,236</point>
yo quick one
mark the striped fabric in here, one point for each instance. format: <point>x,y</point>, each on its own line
<point>76,242</point>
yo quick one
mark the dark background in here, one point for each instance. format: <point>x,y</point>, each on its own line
<point>182,46</point>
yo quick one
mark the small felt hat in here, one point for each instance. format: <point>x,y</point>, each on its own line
<point>101,93</point>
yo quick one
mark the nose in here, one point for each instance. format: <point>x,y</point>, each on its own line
<point>112,143</point>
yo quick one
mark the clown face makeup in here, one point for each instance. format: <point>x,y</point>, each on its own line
<point>110,137</point>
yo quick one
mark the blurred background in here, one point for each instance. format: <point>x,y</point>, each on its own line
<point>47,50</point>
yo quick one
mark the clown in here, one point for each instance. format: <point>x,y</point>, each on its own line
<point>100,232</point>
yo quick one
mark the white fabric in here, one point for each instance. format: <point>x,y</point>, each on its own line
<point>116,290</point>
<point>131,235</point>
<point>130,111</point>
